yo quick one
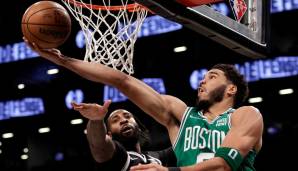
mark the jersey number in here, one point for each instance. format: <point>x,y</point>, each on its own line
<point>204,156</point>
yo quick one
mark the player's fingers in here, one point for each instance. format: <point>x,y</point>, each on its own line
<point>141,167</point>
<point>28,43</point>
<point>107,103</point>
<point>35,46</point>
<point>54,51</point>
<point>73,103</point>
<point>77,106</point>
<point>25,40</point>
<point>32,45</point>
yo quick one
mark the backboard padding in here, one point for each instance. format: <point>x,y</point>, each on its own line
<point>249,39</point>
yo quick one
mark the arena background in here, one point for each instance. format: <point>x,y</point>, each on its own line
<point>27,89</point>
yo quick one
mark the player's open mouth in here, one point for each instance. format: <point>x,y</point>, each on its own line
<point>201,90</point>
<point>126,129</point>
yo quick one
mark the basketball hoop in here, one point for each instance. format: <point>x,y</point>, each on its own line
<point>110,31</point>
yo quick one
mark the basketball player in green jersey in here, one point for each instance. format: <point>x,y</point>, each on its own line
<point>212,136</point>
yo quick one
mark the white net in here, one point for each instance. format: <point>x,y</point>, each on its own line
<point>110,31</point>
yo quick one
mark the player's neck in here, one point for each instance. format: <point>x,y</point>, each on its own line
<point>138,148</point>
<point>132,147</point>
<point>217,109</point>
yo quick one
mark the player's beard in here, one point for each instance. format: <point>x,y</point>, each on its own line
<point>215,96</point>
<point>129,142</point>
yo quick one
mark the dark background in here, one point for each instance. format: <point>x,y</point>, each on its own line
<point>154,57</point>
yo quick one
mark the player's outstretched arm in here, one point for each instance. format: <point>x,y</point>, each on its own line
<point>101,145</point>
<point>164,109</point>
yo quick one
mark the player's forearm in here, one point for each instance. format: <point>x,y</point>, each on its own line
<point>141,94</point>
<point>214,164</point>
<point>101,145</point>
<point>150,101</point>
<point>94,71</point>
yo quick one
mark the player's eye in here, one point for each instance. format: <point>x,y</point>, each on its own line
<point>115,119</point>
<point>212,76</point>
<point>127,115</point>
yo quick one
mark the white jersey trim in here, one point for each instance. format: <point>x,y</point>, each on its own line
<point>230,112</point>
<point>185,114</point>
<point>151,159</point>
<point>126,165</point>
<point>141,156</point>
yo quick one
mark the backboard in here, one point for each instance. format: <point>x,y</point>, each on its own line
<point>248,36</point>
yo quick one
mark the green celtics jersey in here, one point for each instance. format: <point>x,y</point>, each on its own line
<point>199,139</point>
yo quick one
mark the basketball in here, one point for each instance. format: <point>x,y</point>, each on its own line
<point>47,24</point>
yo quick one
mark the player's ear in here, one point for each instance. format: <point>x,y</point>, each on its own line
<point>231,89</point>
<point>109,133</point>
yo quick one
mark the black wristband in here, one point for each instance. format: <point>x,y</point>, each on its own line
<point>174,168</point>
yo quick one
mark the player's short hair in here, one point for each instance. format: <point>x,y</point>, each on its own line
<point>233,75</point>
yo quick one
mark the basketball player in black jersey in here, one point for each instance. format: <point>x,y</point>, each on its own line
<point>116,145</point>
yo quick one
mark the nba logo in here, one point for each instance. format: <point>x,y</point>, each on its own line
<point>239,8</point>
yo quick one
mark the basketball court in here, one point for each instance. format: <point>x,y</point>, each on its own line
<point>167,44</point>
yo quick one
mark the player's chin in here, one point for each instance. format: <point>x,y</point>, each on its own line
<point>200,94</point>
<point>200,98</point>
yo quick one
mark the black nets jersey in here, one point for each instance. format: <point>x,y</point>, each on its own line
<point>122,160</point>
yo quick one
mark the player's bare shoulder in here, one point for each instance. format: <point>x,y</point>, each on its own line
<point>248,110</point>
<point>247,113</point>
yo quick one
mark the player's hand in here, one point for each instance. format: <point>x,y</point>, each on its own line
<point>52,54</point>
<point>148,167</point>
<point>92,111</point>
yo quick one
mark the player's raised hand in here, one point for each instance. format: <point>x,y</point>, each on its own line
<point>92,111</point>
<point>52,54</point>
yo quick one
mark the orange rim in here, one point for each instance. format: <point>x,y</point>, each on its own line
<point>129,7</point>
